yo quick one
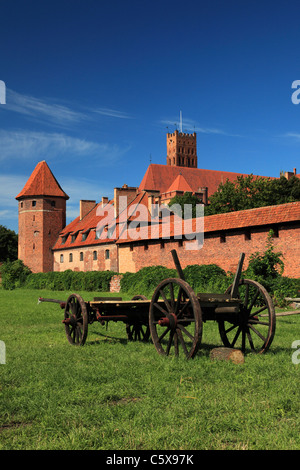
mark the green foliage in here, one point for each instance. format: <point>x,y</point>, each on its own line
<point>14,274</point>
<point>70,280</point>
<point>207,278</point>
<point>267,268</point>
<point>249,192</point>
<point>8,244</point>
<point>187,198</point>
<point>146,280</point>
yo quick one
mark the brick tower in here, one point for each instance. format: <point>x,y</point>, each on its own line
<point>182,149</point>
<point>42,215</point>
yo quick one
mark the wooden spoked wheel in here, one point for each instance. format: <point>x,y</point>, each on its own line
<point>138,331</point>
<point>175,318</point>
<point>254,326</point>
<point>76,320</point>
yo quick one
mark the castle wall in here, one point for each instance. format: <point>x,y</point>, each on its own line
<point>219,248</point>
<point>102,257</point>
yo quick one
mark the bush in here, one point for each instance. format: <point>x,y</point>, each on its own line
<point>207,278</point>
<point>14,274</point>
<point>145,280</point>
<point>70,280</point>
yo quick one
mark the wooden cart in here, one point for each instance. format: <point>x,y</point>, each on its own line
<point>175,315</point>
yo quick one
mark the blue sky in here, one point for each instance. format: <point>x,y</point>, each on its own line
<point>93,86</point>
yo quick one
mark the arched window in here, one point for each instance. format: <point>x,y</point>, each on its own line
<point>71,257</point>
<point>106,254</point>
<point>94,255</point>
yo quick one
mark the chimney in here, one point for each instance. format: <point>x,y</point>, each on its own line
<point>125,192</point>
<point>204,197</point>
<point>104,201</point>
<point>85,207</point>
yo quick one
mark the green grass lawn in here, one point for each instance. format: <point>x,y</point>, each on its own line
<point>115,394</point>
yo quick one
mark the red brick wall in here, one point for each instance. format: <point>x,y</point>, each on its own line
<point>225,254</point>
<point>39,227</point>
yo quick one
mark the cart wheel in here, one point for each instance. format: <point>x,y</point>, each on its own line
<point>175,318</point>
<point>76,320</point>
<point>138,331</point>
<point>255,324</point>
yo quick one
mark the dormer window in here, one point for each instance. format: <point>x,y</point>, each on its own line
<point>73,238</point>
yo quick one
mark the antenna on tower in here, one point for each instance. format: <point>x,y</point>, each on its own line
<point>180,128</point>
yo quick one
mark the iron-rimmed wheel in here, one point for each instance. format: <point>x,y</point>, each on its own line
<point>254,326</point>
<point>76,320</point>
<point>175,318</point>
<point>138,331</point>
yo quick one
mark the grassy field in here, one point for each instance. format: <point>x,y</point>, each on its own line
<point>115,394</point>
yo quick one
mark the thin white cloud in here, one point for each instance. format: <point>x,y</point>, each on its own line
<point>35,107</point>
<point>20,144</point>
<point>293,135</point>
<point>55,112</point>
<point>112,113</point>
<point>188,125</point>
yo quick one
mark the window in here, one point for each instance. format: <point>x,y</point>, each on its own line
<point>61,258</point>
<point>84,235</point>
<point>222,238</point>
<point>53,203</point>
<point>94,255</point>
<point>73,238</point>
<point>106,254</point>
<point>21,204</point>
<point>81,256</point>
<point>247,235</point>
<point>33,203</point>
<point>63,240</point>
<point>70,257</point>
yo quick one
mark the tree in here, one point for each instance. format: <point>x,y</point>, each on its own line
<point>8,244</point>
<point>249,192</point>
<point>186,199</point>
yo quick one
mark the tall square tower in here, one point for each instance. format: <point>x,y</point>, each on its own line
<point>182,149</point>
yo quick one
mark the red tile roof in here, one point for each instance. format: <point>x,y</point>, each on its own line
<point>268,215</point>
<point>180,184</point>
<point>42,182</point>
<point>160,177</point>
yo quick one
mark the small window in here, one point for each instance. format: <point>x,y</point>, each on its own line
<point>73,238</point>
<point>222,238</point>
<point>61,258</point>
<point>146,246</point>
<point>53,203</point>
<point>63,240</point>
<point>21,204</point>
<point>71,257</point>
<point>33,203</point>
<point>106,254</point>
<point>84,235</point>
<point>81,256</point>
<point>247,235</point>
<point>94,255</point>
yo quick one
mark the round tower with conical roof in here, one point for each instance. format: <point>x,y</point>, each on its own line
<point>42,216</point>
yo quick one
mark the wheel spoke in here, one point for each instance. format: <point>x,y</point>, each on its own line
<point>166,301</point>
<point>184,330</point>
<point>163,334</point>
<point>179,334</point>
